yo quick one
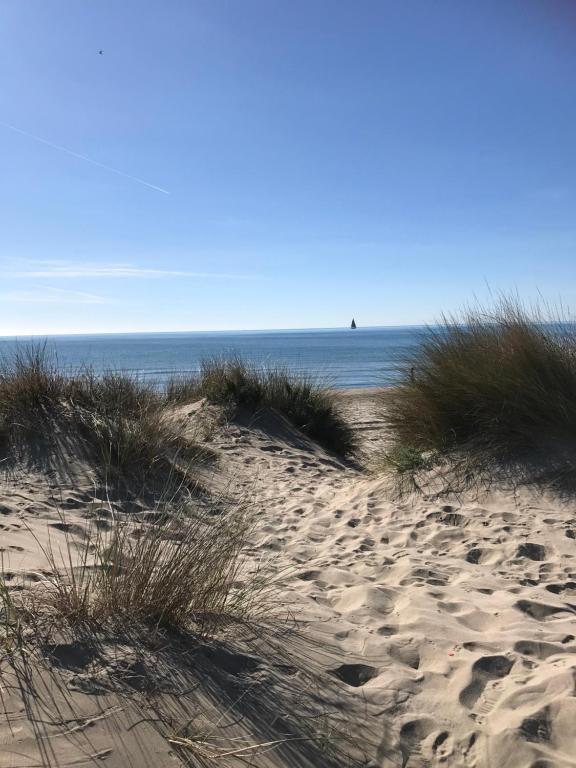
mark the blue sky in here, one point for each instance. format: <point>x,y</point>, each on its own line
<point>237,164</point>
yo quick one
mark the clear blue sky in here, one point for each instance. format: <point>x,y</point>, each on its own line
<point>386,159</point>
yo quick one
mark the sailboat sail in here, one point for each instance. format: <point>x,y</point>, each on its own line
<point>353,323</point>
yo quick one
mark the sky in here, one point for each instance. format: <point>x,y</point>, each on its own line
<point>250,164</point>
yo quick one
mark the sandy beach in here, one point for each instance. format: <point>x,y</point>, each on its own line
<point>414,632</point>
<point>288,384</point>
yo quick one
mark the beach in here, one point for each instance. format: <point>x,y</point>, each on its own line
<point>288,384</point>
<point>416,631</point>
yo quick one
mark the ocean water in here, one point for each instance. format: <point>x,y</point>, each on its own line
<point>365,357</point>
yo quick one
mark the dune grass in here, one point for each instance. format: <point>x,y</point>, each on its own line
<point>176,566</point>
<point>118,422</point>
<point>182,389</point>
<point>304,401</point>
<point>494,386</point>
<point>180,569</point>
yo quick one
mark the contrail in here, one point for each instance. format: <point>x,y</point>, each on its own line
<point>83,157</point>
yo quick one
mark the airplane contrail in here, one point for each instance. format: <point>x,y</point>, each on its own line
<point>83,157</point>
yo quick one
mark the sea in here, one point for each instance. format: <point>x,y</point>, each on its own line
<point>342,357</point>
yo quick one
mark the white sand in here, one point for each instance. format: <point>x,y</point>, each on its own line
<point>429,632</point>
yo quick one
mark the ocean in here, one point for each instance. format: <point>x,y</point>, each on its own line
<point>344,358</point>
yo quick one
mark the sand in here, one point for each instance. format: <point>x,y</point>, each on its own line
<point>413,632</point>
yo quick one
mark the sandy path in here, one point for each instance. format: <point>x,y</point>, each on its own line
<point>430,633</point>
<point>452,625</point>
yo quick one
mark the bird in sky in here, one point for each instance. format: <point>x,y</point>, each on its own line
<point>100,53</point>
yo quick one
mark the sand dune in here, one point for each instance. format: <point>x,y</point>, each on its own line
<point>426,631</point>
<point>453,621</point>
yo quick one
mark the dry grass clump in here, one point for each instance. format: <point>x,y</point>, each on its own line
<point>305,402</point>
<point>182,389</point>
<point>31,389</point>
<point>125,423</point>
<point>118,421</point>
<point>495,386</point>
<point>181,569</point>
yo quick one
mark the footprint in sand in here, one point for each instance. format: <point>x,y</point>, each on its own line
<point>484,670</point>
<point>557,589</point>
<point>386,630</point>
<point>454,607</point>
<point>405,652</point>
<point>412,734</point>
<point>482,556</point>
<point>232,662</point>
<point>542,764</point>
<point>538,650</point>
<point>73,656</point>
<point>531,551</point>
<point>76,530</point>
<point>537,727</point>
<point>361,599</point>
<point>309,575</point>
<point>455,519</point>
<point>541,611</point>
<point>355,675</point>
<point>442,746</point>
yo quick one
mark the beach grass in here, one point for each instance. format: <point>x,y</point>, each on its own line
<point>118,422</point>
<point>181,389</point>
<point>496,386</point>
<point>181,567</point>
<point>305,401</point>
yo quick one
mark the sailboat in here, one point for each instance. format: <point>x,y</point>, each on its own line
<point>353,324</point>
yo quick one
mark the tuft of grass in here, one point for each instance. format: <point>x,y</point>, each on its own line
<point>406,458</point>
<point>181,389</point>
<point>496,386</point>
<point>304,401</point>
<point>120,422</point>
<point>10,621</point>
<point>31,390</point>
<point>183,570</point>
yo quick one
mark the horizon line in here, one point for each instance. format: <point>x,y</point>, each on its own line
<point>15,336</point>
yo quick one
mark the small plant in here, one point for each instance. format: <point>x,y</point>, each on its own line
<point>405,458</point>
<point>185,569</point>
<point>309,405</point>
<point>182,389</point>
<point>232,381</point>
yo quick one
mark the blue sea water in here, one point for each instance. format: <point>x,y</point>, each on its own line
<point>365,357</point>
